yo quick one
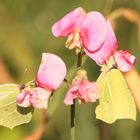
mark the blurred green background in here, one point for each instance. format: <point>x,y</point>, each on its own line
<point>25,32</point>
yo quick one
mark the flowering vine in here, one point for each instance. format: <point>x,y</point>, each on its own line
<point>91,34</point>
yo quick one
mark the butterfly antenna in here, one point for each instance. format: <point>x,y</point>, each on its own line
<point>23,77</point>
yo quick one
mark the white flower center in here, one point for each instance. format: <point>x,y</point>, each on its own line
<point>74,40</point>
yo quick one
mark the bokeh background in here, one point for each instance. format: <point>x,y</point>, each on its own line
<point>25,32</point>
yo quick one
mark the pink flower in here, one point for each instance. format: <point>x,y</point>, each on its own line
<point>51,73</point>
<point>124,60</point>
<point>36,97</point>
<point>88,91</point>
<point>39,98</point>
<point>22,99</point>
<point>85,91</point>
<point>81,89</point>
<point>90,31</point>
<point>107,49</point>
<point>68,23</point>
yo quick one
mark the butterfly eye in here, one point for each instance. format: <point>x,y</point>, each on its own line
<point>21,86</point>
<point>113,67</point>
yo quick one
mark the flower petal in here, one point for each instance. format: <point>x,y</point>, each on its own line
<point>39,98</point>
<point>66,25</point>
<point>51,73</point>
<point>22,99</point>
<point>83,90</point>
<point>71,95</point>
<point>93,31</point>
<point>107,49</point>
<point>124,60</point>
<point>89,92</point>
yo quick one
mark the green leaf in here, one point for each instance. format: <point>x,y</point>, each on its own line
<point>116,101</point>
<point>11,114</point>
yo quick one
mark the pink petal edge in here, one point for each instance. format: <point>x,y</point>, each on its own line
<point>51,73</point>
<point>39,98</point>
<point>93,30</point>
<point>71,95</point>
<point>124,60</point>
<point>85,91</point>
<point>22,99</point>
<point>89,92</point>
<point>66,25</point>
<point>107,49</point>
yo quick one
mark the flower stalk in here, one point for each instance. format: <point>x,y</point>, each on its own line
<point>79,63</point>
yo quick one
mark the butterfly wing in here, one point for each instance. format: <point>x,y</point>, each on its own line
<point>116,101</point>
<point>10,114</point>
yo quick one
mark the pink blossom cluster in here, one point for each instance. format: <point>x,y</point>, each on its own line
<point>51,74</point>
<point>82,89</point>
<point>86,32</point>
<point>92,33</point>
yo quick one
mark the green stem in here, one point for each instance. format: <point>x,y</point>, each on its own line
<point>72,114</point>
<point>79,62</point>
